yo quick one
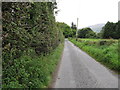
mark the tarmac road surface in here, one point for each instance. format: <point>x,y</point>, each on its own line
<point>79,70</point>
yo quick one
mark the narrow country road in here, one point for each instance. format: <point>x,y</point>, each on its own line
<point>79,70</point>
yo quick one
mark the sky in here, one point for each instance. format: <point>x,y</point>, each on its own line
<point>89,12</point>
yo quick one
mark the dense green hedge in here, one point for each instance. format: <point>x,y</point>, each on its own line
<point>31,71</point>
<point>27,26</point>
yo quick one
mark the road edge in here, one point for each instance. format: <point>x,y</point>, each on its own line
<point>55,73</point>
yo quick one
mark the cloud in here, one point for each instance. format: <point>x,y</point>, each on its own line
<point>89,12</point>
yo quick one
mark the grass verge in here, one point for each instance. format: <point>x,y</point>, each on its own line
<point>104,51</point>
<point>31,71</point>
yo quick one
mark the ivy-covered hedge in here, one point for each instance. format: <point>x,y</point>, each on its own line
<point>27,26</point>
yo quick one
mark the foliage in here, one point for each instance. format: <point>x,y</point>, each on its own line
<point>104,51</point>
<point>73,26</point>
<point>32,71</point>
<point>27,27</point>
<point>67,31</point>
<point>110,30</point>
<point>33,26</point>
<point>86,33</point>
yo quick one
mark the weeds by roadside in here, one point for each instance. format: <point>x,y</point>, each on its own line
<point>104,51</point>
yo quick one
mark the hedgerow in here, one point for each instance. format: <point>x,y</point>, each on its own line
<point>26,27</point>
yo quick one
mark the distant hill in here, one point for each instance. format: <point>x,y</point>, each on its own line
<point>97,28</point>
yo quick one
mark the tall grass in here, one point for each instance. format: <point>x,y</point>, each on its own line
<point>31,71</point>
<point>103,50</point>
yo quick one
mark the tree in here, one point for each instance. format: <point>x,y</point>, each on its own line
<point>111,30</point>
<point>91,34</point>
<point>100,34</point>
<point>86,33</point>
<point>73,26</point>
<point>117,29</point>
<point>66,29</point>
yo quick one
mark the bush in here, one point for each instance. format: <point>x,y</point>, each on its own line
<point>102,43</point>
<point>31,72</point>
<point>29,31</point>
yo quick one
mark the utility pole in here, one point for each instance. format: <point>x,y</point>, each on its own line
<point>77,29</point>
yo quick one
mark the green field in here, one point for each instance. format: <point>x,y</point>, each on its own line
<point>103,50</point>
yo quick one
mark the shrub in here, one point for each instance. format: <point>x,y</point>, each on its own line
<point>29,31</point>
